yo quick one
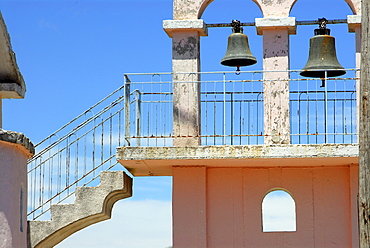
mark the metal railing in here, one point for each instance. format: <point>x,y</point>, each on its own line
<point>140,113</point>
<point>231,108</point>
<point>323,114</point>
<point>74,155</point>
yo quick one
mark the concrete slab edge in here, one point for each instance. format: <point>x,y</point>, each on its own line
<point>237,151</point>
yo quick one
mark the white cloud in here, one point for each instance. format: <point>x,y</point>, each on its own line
<point>134,224</point>
<point>48,25</point>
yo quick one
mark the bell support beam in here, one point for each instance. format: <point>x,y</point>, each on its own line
<point>276,33</point>
<point>185,36</point>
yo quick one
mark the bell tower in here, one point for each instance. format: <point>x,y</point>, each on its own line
<point>219,190</point>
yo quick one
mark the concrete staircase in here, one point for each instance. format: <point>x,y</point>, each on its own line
<point>92,205</point>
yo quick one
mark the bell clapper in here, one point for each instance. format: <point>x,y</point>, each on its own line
<point>237,72</point>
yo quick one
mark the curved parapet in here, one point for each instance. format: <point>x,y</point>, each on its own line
<point>92,205</point>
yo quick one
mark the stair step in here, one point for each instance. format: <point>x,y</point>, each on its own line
<point>92,205</point>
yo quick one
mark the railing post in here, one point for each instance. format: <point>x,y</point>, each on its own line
<point>138,114</point>
<point>127,110</point>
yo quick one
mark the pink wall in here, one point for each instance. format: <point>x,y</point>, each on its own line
<point>13,180</point>
<point>189,208</point>
<point>325,199</point>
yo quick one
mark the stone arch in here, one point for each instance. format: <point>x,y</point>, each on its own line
<point>275,8</point>
<point>278,211</point>
<point>203,7</point>
<point>355,6</point>
<point>186,9</point>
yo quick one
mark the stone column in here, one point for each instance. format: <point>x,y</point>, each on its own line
<point>275,33</point>
<point>189,184</point>
<point>185,36</point>
<point>15,149</point>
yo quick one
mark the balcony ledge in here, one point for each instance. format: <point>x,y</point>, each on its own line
<point>158,161</point>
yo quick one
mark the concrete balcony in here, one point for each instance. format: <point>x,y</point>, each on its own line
<point>232,125</point>
<point>159,161</point>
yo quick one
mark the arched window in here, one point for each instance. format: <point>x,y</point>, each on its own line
<point>278,212</point>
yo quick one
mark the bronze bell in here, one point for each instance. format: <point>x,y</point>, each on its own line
<point>238,52</point>
<point>322,61</point>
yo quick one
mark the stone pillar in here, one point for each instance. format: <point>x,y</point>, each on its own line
<point>15,149</point>
<point>275,33</point>
<point>354,26</point>
<point>185,36</point>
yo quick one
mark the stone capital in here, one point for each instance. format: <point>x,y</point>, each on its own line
<point>198,25</point>
<point>353,21</point>
<point>275,23</point>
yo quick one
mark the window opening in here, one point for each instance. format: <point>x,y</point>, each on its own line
<point>278,212</point>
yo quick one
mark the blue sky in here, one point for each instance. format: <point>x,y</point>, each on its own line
<point>72,53</point>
